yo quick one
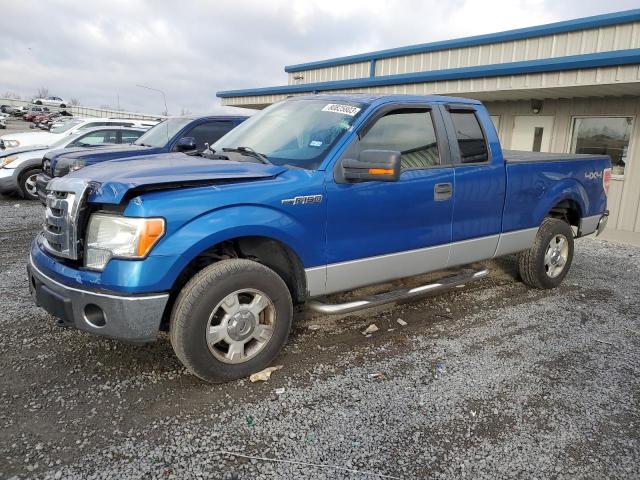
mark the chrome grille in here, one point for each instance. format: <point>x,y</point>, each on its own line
<point>65,197</point>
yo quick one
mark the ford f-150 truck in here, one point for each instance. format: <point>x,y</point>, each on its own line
<point>311,196</point>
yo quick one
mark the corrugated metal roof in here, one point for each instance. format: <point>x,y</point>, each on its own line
<point>616,18</point>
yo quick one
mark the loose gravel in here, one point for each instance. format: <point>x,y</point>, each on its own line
<point>493,380</point>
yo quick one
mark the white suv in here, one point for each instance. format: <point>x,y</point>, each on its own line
<point>26,139</point>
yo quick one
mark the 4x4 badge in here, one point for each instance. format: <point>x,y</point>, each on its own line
<point>302,200</point>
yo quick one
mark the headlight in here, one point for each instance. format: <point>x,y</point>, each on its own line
<point>114,236</point>
<point>64,166</point>
<point>11,143</point>
<point>7,160</point>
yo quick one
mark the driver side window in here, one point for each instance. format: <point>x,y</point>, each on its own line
<point>409,131</point>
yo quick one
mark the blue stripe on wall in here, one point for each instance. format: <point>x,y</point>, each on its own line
<point>596,21</point>
<point>573,62</point>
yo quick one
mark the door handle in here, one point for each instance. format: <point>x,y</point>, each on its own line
<point>442,191</point>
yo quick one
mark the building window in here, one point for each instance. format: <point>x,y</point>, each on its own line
<point>603,136</point>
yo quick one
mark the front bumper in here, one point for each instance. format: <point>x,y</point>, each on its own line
<point>132,318</point>
<point>41,187</point>
<point>8,180</point>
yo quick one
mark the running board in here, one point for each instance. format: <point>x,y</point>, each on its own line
<point>397,295</point>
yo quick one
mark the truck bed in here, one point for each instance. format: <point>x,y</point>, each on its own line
<point>523,156</point>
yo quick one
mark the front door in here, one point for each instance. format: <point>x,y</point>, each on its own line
<point>377,231</point>
<point>532,133</point>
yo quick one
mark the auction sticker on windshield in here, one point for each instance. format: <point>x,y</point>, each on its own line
<point>343,109</point>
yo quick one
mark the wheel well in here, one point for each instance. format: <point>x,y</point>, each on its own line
<point>267,251</point>
<point>567,210</point>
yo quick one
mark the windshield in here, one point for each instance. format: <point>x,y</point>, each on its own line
<point>67,126</point>
<point>293,132</point>
<point>160,134</point>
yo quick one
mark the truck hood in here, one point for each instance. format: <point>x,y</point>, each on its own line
<point>88,153</point>
<point>116,178</point>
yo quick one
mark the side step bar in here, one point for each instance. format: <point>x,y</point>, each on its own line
<point>397,295</point>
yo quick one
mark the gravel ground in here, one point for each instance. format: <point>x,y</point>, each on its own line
<point>493,380</point>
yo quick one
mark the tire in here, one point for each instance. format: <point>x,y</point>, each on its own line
<point>205,319</point>
<point>548,261</point>
<point>62,105</point>
<point>38,102</point>
<point>27,184</point>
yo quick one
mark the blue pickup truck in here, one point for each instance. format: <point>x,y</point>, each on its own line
<point>188,135</point>
<point>311,196</point>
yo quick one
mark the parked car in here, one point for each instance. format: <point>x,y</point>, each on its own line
<point>34,112</point>
<point>177,134</point>
<point>14,140</point>
<point>19,168</point>
<point>311,196</point>
<point>54,101</point>
<point>45,120</point>
<point>8,108</point>
<point>3,122</point>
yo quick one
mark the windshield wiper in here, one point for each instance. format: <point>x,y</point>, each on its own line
<point>249,152</point>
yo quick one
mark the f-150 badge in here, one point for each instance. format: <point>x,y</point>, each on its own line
<point>302,200</point>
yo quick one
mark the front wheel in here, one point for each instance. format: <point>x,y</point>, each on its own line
<point>548,261</point>
<point>231,320</point>
<point>27,184</point>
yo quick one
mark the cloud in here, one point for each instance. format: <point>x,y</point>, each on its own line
<point>98,51</point>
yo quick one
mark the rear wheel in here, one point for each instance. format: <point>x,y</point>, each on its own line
<point>231,320</point>
<point>38,102</point>
<point>548,261</point>
<point>27,184</point>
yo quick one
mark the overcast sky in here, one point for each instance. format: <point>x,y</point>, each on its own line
<point>95,51</point>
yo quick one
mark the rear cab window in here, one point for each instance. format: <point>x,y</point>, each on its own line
<point>470,137</point>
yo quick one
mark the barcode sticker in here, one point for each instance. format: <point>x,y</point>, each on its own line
<point>343,109</point>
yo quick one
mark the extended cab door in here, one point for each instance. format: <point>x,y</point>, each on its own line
<point>381,230</point>
<point>479,183</point>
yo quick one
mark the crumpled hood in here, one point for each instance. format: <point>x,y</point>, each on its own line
<point>115,178</point>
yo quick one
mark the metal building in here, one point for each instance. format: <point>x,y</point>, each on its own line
<point>571,86</point>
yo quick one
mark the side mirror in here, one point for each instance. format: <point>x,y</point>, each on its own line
<point>373,165</point>
<point>186,144</point>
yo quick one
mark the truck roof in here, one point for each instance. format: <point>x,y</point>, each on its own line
<point>371,98</point>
